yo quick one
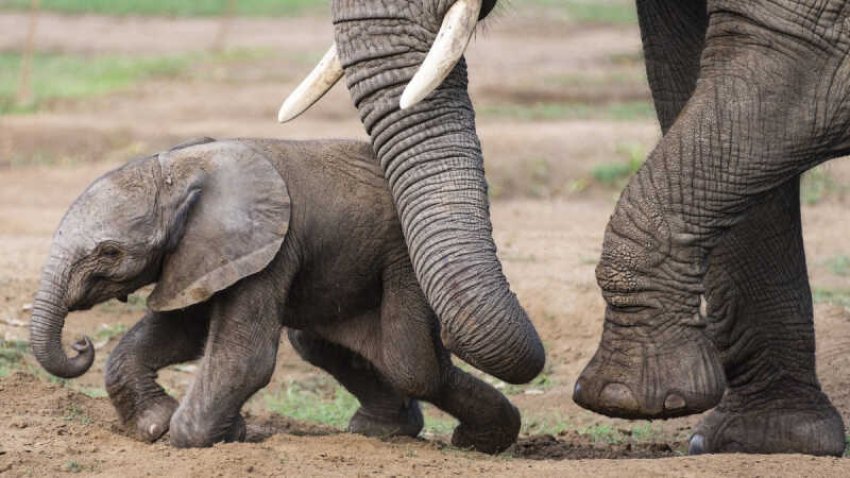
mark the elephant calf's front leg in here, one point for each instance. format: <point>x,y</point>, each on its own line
<point>239,360</point>
<point>156,341</point>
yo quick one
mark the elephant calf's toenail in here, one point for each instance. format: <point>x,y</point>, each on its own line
<point>617,396</point>
<point>697,445</point>
<point>674,401</point>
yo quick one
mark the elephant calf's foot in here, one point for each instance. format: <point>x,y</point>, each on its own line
<point>653,377</point>
<point>405,422</point>
<point>153,421</point>
<point>145,411</point>
<point>493,438</point>
<point>186,434</point>
<point>788,418</point>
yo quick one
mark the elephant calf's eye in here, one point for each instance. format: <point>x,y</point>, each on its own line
<point>110,252</point>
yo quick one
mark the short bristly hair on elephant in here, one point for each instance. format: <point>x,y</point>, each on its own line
<point>702,268</point>
<point>243,238</point>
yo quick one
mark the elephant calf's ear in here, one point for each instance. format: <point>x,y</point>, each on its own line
<point>235,228</point>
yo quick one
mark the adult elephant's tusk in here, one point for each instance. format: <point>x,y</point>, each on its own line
<point>458,27</point>
<point>323,77</point>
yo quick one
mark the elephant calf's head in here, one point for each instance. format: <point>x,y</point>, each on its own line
<point>195,220</point>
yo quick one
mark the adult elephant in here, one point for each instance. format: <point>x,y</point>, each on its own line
<point>702,267</point>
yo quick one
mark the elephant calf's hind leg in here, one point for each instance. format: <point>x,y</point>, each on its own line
<point>384,411</point>
<point>489,423</point>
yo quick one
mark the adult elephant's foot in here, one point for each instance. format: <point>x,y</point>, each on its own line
<point>638,374</point>
<point>788,417</point>
<point>407,421</point>
<point>494,437</point>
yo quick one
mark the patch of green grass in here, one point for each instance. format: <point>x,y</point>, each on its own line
<point>11,354</point>
<point>296,401</point>
<point>135,303</point>
<point>818,184</point>
<point>330,404</point>
<point>93,392</point>
<point>602,433</point>
<point>630,77</point>
<point>544,424</point>
<point>618,173</point>
<point>839,265</point>
<point>57,77</point>
<point>107,332</point>
<point>832,296</point>
<point>72,467</point>
<point>182,8</point>
<point>437,423</point>
<point>76,414</point>
<point>595,11</point>
<point>541,383</point>
<point>618,111</point>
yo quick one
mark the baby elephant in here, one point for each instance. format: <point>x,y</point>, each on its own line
<point>243,238</point>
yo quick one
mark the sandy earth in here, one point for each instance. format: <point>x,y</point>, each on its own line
<point>548,226</point>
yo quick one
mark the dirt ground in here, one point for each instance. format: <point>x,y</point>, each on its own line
<point>549,216</point>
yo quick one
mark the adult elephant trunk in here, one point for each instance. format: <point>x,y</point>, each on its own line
<point>432,159</point>
<point>48,318</point>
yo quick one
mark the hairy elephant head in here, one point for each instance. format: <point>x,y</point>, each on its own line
<point>403,65</point>
<point>194,220</point>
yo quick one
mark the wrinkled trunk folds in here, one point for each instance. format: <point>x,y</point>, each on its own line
<point>48,318</point>
<point>432,159</point>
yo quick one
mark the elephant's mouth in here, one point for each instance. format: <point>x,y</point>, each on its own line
<point>458,26</point>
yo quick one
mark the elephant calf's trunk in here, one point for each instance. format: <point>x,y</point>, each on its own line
<point>48,318</point>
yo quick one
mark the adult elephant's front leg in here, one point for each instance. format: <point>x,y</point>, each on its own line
<point>239,360</point>
<point>730,146</point>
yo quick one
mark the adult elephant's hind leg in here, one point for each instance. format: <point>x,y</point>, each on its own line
<point>760,317</point>
<point>384,411</point>
<point>155,342</point>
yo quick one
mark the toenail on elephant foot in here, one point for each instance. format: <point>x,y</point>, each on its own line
<point>696,445</point>
<point>153,422</point>
<point>810,426</point>
<point>406,422</point>
<point>652,380</point>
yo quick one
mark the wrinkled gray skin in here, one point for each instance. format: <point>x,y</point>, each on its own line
<point>244,237</point>
<point>749,95</point>
<point>431,158</point>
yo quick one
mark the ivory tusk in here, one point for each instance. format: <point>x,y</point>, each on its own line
<point>323,77</point>
<point>458,27</point>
